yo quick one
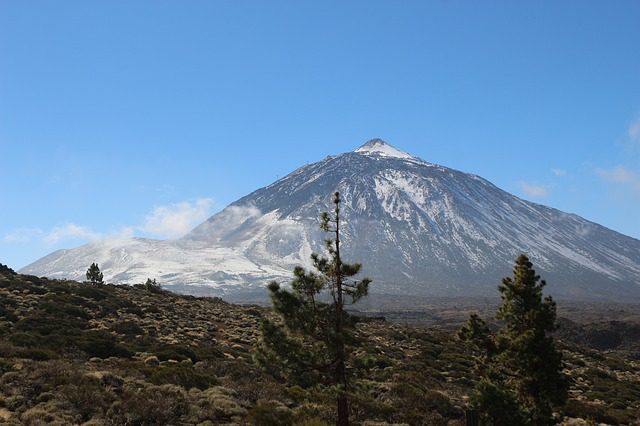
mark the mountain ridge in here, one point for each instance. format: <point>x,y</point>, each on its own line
<point>417,227</point>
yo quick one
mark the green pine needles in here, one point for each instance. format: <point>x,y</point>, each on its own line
<point>94,276</point>
<point>522,380</point>
<point>152,286</point>
<point>310,342</point>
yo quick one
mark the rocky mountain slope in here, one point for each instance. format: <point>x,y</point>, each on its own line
<point>418,228</point>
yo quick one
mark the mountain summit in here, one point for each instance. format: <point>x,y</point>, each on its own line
<point>418,229</point>
<point>380,147</point>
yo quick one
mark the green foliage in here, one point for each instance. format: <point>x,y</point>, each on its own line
<point>36,354</point>
<point>497,406</point>
<point>101,344</point>
<point>366,362</point>
<point>271,413</point>
<point>477,332</point>
<point>94,293</point>
<point>152,286</point>
<point>94,276</point>
<point>87,396</point>
<point>423,405</point>
<point>61,309</point>
<point>7,310</point>
<point>128,327</point>
<point>312,341</point>
<point>521,366</point>
<point>51,324</point>
<point>597,413</point>
<point>150,405</point>
<point>175,352</point>
<point>314,421</point>
<point>398,374</point>
<point>181,375</point>
<point>4,269</point>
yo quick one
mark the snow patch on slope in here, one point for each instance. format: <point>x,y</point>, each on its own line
<point>417,228</point>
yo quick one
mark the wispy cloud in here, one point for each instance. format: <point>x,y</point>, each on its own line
<point>559,172</point>
<point>621,175</point>
<point>169,221</point>
<point>57,234</point>
<point>70,231</point>
<point>536,191</point>
<point>23,235</point>
<point>175,220</point>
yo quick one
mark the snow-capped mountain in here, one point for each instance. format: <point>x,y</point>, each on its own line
<point>418,228</point>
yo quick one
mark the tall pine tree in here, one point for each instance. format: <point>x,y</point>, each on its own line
<point>520,364</point>
<point>94,276</point>
<point>495,403</point>
<point>311,341</point>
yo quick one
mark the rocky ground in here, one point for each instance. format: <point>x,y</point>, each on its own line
<point>75,353</point>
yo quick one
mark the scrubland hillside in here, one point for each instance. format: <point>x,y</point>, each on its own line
<point>75,353</point>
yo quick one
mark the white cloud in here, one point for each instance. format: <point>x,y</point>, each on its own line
<point>228,219</point>
<point>559,172</point>
<point>621,175</point>
<point>70,231</point>
<point>536,191</point>
<point>53,236</point>
<point>22,235</point>
<point>123,232</point>
<point>175,220</point>
<point>234,215</point>
<point>169,221</point>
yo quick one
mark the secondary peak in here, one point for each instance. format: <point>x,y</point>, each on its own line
<point>380,147</point>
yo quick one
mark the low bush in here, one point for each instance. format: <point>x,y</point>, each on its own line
<point>92,292</point>
<point>101,344</point>
<point>271,413</point>
<point>128,327</point>
<point>149,406</point>
<point>86,397</point>
<point>176,352</point>
<point>36,354</point>
<point>182,375</point>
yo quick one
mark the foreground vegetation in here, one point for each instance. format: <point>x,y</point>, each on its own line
<point>313,341</point>
<point>74,353</point>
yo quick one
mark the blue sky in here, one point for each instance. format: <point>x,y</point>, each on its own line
<point>143,118</point>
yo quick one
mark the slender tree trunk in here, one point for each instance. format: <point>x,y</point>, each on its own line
<point>341,381</point>
<point>343,410</point>
<point>341,376</point>
<point>338,271</point>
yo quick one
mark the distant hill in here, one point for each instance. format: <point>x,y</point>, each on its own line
<point>417,227</point>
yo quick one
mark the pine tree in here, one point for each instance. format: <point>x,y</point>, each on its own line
<point>521,363</point>
<point>6,269</point>
<point>94,276</point>
<point>495,403</point>
<point>152,286</point>
<point>312,340</point>
<point>525,347</point>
